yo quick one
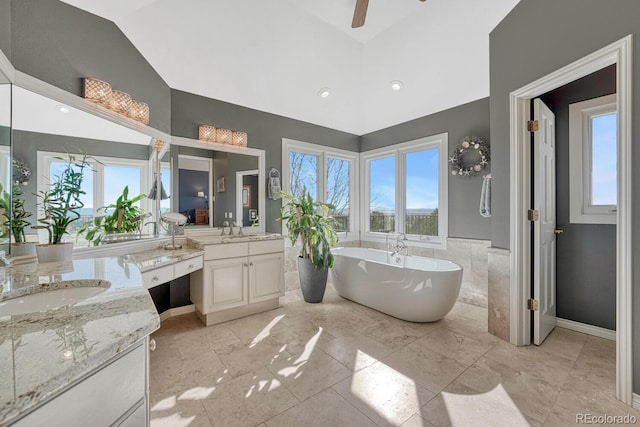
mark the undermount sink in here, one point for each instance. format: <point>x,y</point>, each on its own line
<point>52,299</point>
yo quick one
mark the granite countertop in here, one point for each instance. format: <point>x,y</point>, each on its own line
<point>155,258</point>
<point>200,240</point>
<point>42,353</point>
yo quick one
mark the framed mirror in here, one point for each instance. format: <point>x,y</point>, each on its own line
<point>212,180</point>
<point>126,163</point>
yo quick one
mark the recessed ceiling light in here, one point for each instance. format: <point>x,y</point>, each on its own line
<point>396,85</point>
<point>324,92</point>
<point>63,109</point>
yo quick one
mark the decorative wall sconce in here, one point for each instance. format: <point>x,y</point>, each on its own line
<point>158,144</point>
<point>224,136</point>
<point>240,139</point>
<point>121,102</point>
<point>97,91</point>
<point>139,112</point>
<point>207,133</point>
<point>200,194</point>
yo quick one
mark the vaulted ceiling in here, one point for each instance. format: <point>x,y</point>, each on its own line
<point>276,55</point>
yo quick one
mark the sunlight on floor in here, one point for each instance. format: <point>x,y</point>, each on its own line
<point>295,369</point>
<point>266,331</point>
<point>490,408</point>
<point>392,395</point>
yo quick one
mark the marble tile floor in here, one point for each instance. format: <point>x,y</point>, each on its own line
<point>341,364</point>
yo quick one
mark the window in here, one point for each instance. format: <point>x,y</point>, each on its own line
<point>165,178</point>
<point>328,174</point>
<point>593,164</point>
<point>406,191</point>
<point>102,184</point>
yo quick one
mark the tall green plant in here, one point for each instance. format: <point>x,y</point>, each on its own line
<point>310,222</point>
<point>19,214</point>
<point>124,218</point>
<point>61,203</point>
<point>5,209</point>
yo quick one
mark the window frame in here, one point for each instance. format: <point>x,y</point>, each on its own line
<point>45,158</point>
<point>581,210</point>
<point>439,141</point>
<point>323,152</point>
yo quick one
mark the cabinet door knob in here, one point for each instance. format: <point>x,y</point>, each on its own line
<point>190,266</point>
<point>250,264</point>
<point>152,344</point>
<point>156,278</point>
<point>246,265</point>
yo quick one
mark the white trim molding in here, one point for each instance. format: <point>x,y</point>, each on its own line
<point>585,328</point>
<point>399,152</point>
<point>620,53</point>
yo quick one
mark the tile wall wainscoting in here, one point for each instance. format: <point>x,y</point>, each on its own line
<point>499,264</point>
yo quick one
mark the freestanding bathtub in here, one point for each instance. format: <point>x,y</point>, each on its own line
<point>410,288</point>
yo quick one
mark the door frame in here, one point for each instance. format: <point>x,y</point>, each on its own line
<point>618,53</point>
<point>239,176</point>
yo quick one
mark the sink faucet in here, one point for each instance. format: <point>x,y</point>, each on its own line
<point>224,224</point>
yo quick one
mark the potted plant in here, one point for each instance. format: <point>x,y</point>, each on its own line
<point>310,222</point>
<point>18,222</point>
<point>61,205</point>
<point>125,217</point>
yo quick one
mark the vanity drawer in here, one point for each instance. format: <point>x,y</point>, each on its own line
<point>188,266</point>
<point>226,250</point>
<point>266,247</point>
<point>158,276</point>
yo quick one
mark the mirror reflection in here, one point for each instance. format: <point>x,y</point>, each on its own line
<point>212,185</point>
<point>5,163</point>
<point>47,134</point>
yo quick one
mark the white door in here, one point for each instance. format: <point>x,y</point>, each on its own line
<point>544,201</point>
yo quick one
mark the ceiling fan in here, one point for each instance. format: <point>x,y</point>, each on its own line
<point>360,14</point>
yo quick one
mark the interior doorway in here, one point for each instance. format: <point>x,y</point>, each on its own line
<point>618,53</point>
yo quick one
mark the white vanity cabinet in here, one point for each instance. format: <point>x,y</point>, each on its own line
<point>113,394</point>
<point>238,279</point>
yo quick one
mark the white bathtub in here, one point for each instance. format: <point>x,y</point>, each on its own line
<point>410,288</point>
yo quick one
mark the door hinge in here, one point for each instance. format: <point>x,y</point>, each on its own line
<point>532,126</point>
<point>533,215</point>
<point>532,304</point>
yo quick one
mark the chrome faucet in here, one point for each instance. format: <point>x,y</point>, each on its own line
<point>399,246</point>
<point>233,224</point>
<point>224,224</point>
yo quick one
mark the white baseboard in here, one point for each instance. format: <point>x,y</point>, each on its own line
<point>596,331</point>
<point>172,312</point>
<point>636,401</point>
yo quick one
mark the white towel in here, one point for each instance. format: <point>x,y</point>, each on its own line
<point>485,197</point>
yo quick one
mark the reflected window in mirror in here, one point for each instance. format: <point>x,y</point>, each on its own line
<point>102,185</point>
<point>165,178</point>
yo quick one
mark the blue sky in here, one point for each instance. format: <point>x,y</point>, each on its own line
<point>604,160</point>
<point>421,178</point>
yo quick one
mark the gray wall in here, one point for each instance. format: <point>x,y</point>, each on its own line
<point>464,193</point>
<point>536,38</point>
<point>5,27</point>
<point>61,44</point>
<point>27,144</point>
<point>265,131</point>
<point>586,253</point>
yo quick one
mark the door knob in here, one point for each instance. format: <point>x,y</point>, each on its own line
<point>558,231</point>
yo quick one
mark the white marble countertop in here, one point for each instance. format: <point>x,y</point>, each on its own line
<point>41,353</point>
<point>200,240</point>
<point>155,258</point>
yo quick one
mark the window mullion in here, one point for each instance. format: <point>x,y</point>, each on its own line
<point>98,187</point>
<point>400,191</point>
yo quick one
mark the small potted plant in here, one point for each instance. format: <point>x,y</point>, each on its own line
<point>309,221</point>
<point>61,205</point>
<point>18,223</point>
<point>125,217</point>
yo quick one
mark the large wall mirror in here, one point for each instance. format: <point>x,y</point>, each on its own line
<point>128,162</point>
<point>5,160</point>
<point>218,185</point>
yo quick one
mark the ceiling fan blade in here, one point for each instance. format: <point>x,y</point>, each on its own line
<point>360,13</point>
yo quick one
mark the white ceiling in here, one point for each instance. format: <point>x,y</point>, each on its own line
<point>275,55</point>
